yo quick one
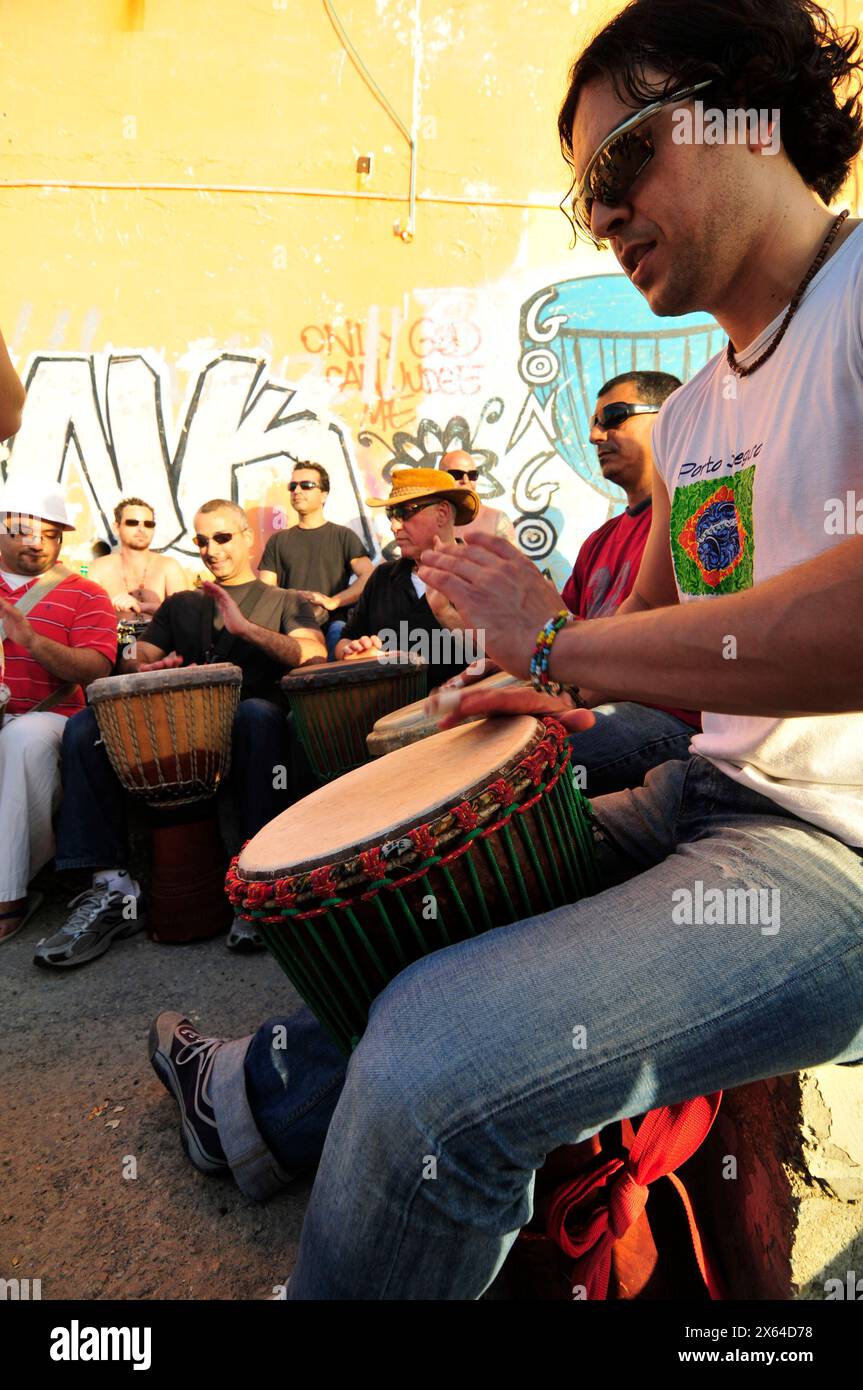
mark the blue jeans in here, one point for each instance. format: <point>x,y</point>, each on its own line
<point>626,741</point>
<point>91,827</point>
<point>482,1058</point>
<point>333,636</point>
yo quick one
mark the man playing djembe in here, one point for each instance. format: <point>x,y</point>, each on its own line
<point>744,607</point>
<point>424,507</point>
<point>235,618</point>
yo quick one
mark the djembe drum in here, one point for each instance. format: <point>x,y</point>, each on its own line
<point>483,824</point>
<point>413,723</point>
<point>168,737</point>
<point>335,705</point>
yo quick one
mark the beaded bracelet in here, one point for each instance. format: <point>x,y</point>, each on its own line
<point>545,639</point>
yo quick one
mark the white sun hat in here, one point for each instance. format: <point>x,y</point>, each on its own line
<point>22,497</point>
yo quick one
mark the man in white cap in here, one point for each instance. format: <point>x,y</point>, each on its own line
<point>59,633</point>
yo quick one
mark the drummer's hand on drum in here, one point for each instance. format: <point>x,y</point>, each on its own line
<point>457,706</point>
<point>357,646</point>
<point>477,671</point>
<point>124,603</point>
<point>488,581</point>
<point>165,663</point>
<point>228,609</point>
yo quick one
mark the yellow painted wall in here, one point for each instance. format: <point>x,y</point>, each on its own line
<point>187,328</point>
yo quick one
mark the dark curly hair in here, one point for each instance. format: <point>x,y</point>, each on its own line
<point>763,54</point>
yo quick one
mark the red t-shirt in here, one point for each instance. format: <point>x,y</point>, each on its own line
<point>605,571</point>
<point>77,613</point>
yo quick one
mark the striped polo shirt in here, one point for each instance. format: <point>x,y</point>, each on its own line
<point>77,613</point>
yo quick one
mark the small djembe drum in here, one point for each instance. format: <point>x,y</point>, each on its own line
<point>336,703</point>
<point>168,737</point>
<point>413,723</point>
<point>483,824</point>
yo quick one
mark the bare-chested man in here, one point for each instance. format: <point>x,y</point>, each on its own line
<point>136,580</point>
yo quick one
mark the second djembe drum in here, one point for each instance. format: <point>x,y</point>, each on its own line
<point>335,705</point>
<point>168,737</point>
<point>430,845</point>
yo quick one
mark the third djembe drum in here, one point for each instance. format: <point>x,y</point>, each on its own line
<point>483,822</point>
<point>413,723</point>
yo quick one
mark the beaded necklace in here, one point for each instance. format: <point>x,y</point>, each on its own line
<point>792,307</point>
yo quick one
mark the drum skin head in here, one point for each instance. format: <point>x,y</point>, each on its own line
<point>178,678</point>
<point>358,670</point>
<point>411,716</point>
<point>380,801</point>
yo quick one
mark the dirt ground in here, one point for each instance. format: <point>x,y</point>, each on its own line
<point>78,1096</point>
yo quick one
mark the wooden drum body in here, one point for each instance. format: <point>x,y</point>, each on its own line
<point>168,733</point>
<point>430,845</point>
<point>168,738</point>
<point>335,705</point>
<point>411,724</point>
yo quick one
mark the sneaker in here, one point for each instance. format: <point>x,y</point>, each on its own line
<point>243,937</point>
<point>97,918</point>
<point>182,1058</point>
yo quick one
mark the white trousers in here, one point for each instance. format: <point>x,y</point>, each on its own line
<point>29,796</point>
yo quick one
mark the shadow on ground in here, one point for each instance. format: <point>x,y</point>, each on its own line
<point>75,1041</point>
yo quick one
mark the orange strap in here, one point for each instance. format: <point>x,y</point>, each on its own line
<point>590,1213</point>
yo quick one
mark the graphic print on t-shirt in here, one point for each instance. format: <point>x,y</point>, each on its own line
<point>712,535</point>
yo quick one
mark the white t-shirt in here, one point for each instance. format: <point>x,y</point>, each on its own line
<point>756,469</point>
<point>16,581</point>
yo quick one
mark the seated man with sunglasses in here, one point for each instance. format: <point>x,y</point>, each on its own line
<point>135,580</point>
<point>628,738</point>
<point>323,561</point>
<point>424,504</point>
<point>235,618</point>
<point>460,465</point>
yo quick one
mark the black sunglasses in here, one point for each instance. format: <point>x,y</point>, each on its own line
<point>458,473</point>
<point>306,486</point>
<point>220,537</point>
<point>134,521</point>
<point>612,416</point>
<point>403,511</point>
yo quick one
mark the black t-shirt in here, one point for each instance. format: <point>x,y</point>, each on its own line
<point>316,558</point>
<point>185,623</point>
<point>390,600</point>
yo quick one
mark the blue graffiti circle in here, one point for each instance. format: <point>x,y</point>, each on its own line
<point>539,366</point>
<point>536,536</point>
<point>717,536</point>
